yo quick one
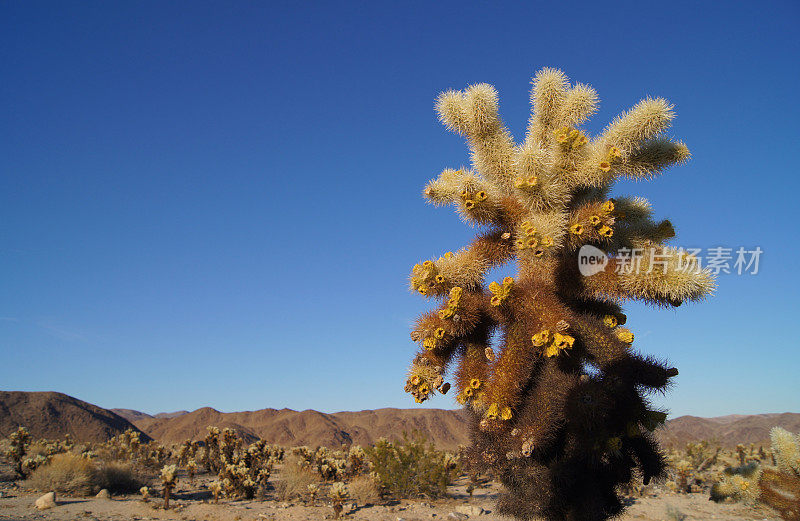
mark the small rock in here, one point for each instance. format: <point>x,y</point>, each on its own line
<point>457,516</point>
<point>46,501</point>
<point>470,510</point>
<point>103,494</point>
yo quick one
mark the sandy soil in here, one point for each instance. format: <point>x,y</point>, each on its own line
<point>193,503</point>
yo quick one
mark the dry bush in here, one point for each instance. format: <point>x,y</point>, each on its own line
<point>66,473</point>
<point>120,477</point>
<point>412,467</point>
<point>364,490</point>
<point>294,479</point>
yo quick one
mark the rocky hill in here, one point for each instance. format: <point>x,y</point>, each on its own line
<point>52,415</point>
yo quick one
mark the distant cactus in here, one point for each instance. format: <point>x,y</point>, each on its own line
<point>169,478</point>
<point>19,441</point>
<point>558,406</point>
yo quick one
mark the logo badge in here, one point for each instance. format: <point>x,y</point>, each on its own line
<point>591,260</point>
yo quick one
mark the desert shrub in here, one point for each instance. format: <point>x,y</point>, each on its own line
<point>66,473</point>
<point>120,477</point>
<point>242,470</point>
<point>412,467</point>
<point>364,490</point>
<point>295,479</point>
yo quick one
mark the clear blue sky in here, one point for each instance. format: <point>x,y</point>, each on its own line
<point>218,203</point>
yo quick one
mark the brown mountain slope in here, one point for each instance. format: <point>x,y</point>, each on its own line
<point>290,428</point>
<point>52,415</point>
<point>727,430</point>
<point>130,414</point>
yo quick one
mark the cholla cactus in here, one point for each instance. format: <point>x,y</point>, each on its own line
<point>559,408</point>
<point>780,487</point>
<point>169,479</point>
<point>338,494</point>
<point>191,468</point>
<point>19,441</point>
<point>145,492</point>
<point>216,489</point>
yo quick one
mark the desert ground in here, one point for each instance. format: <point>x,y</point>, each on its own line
<point>193,502</point>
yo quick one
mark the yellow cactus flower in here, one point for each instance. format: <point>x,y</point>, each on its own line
<point>439,333</point>
<point>475,383</point>
<point>439,279</point>
<point>532,242</point>
<point>519,182</point>
<point>424,389</point>
<point>414,380</point>
<point>625,335</point>
<point>505,414</point>
<point>595,220</point>
<point>605,231</point>
<point>576,229</point>
<point>562,137</point>
<point>547,242</point>
<point>481,196</point>
<point>610,320</point>
<point>508,281</point>
<point>562,341</point>
<point>428,264</point>
<point>541,338</point>
<point>530,231</point>
<point>495,301</point>
<point>608,206</point>
<point>614,153</point>
<point>469,204</point>
<point>464,194</point>
<point>423,290</point>
<point>468,392</point>
<point>448,255</point>
<point>605,166</point>
<point>532,180</point>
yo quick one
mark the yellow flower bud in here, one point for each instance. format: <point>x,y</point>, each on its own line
<point>595,220</point>
<point>576,229</point>
<point>610,320</point>
<point>541,338</point>
<point>475,383</point>
<point>625,335</point>
<point>608,206</point>
<point>605,231</point>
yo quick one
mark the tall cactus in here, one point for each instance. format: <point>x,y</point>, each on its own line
<point>559,406</point>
